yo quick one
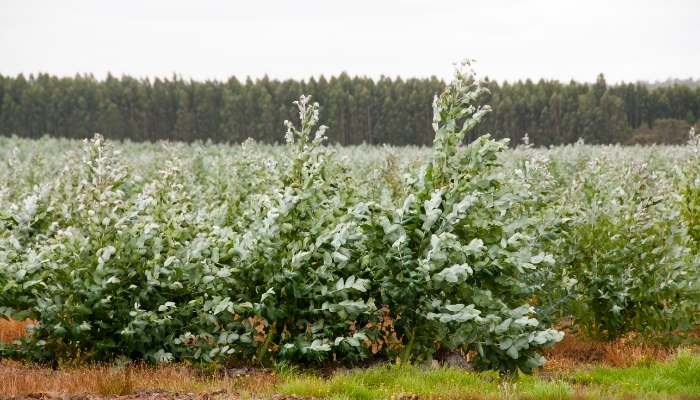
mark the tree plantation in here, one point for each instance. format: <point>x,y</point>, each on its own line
<point>360,110</point>
<point>312,254</point>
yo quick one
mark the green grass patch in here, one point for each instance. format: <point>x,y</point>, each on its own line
<point>677,378</point>
<point>680,376</point>
<point>392,381</point>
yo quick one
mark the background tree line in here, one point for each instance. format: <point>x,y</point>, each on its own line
<point>396,111</point>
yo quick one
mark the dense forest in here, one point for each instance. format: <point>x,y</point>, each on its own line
<point>395,111</point>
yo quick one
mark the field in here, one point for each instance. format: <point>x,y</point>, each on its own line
<point>461,266</point>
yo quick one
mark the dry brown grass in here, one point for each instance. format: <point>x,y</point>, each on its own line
<point>20,379</point>
<point>575,352</point>
<point>11,330</point>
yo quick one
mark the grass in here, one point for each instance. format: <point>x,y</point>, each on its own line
<point>21,379</point>
<point>392,381</point>
<point>676,378</point>
<point>576,369</point>
<point>679,377</point>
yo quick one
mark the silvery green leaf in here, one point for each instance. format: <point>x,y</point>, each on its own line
<point>319,345</point>
<point>162,357</point>
<point>340,257</point>
<point>223,305</point>
<point>268,293</point>
<point>299,258</point>
<point>360,285</point>
<point>166,306</point>
<point>503,326</point>
<point>224,273</point>
<point>475,247</point>
<point>526,321</point>
<point>454,274</point>
<point>513,352</point>
<point>106,253</point>
<point>505,344</point>
<point>432,210</point>
<point>455,307</point>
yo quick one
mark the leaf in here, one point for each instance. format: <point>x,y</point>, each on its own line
<point>112,280</point>
<point>223,305</point>
<point>269,293</point>
<point>513,352</point>
<point>339,257</point>
<point>542,258</point>
<point>224,273</point>
<point>460,313</point>
<point>503,326</point>
<point>432,212</point>
<point>166,306</point>
<point>526,321</point>
<point>319,345</point>
<point>162,357</point>
<point>106,253</point>
<point>352,283</point>
<point>454,274</point>
<point>475,247</point>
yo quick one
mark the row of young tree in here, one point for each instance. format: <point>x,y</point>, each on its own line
<point>359,110</point>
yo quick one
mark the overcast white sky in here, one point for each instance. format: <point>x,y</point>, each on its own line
<point>627,40</point>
